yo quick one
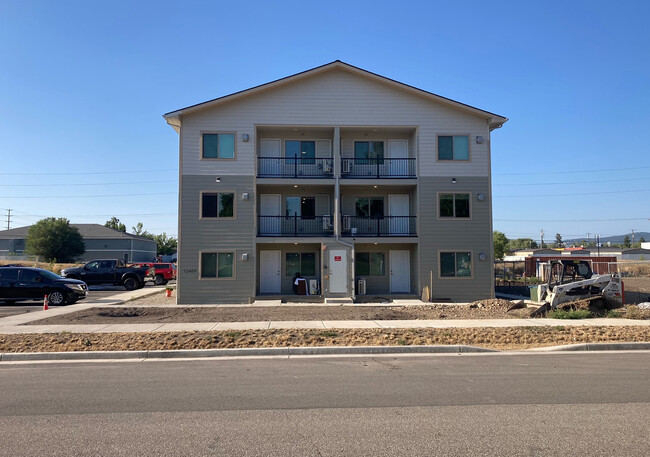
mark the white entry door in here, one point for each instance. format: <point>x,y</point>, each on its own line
<point>270,151</point>
<point>400,272</point>
<point>338,270</point>
<point>270,272</point>
<point>398,210</point>
<point>398,149</point>
<point>270,206</point>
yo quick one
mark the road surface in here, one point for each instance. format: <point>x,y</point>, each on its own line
<point>589,404</point>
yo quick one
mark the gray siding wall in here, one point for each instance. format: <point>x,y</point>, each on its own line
<point>214,235</point>
<point>99,244</point>
<point>472,235</point>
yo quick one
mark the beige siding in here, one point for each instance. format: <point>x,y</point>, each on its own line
<point>336,98</point>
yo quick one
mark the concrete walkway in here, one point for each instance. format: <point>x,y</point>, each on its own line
<point>20,323</point>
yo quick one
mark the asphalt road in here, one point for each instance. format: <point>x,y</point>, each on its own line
<point>589,404</point>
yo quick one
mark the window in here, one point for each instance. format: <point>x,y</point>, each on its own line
<point>217,265</point>
<point>303,263</point>
<point>454,205</point>
<point>218,146</point>
<point>372,207</point>
<point>455,264</point>
<point>370,264</point>
<point>453,147</point>
<point>304,150</point>
<point>218,204</point>
<point>369,150</point>
<point>302,207</point>
<point>29,276</point>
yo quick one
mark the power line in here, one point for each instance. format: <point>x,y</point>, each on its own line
<point>568,172</point>
<point>572,182</point>
<point>88,173</point>
<point>572,194</point>
<point>88,184</point>
<point>97,196</point>
<point>572,220</point>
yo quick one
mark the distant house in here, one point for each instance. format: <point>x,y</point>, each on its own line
<point>100,242</point>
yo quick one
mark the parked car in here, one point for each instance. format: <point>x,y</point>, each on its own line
<point>163,272</point>
<point>110,271</point>
<point>25,283</point>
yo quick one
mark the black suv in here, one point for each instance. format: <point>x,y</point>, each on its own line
<point>23,283</point>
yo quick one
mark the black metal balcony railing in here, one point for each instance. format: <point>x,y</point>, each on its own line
<point>378,168</point>
<point>385,226</point>
<point>295,226</point>
<point>294,167</point>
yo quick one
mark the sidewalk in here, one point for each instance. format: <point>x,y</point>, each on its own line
<point>19,324</point>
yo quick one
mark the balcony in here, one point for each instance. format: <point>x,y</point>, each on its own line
<point>386,226</point>
<point>295,226</point>
<point>378,168</point>
<point>294,167</point>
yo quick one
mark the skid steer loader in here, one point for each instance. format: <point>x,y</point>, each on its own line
<point>570,280</point>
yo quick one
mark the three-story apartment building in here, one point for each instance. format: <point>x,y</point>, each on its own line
<point>362,184</point>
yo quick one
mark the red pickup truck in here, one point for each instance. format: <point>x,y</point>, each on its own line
<point>164,272</point>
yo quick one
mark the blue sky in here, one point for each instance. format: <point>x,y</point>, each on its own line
<point>83,85</point>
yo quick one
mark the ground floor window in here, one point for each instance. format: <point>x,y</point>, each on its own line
<point>301,262</point>
<point>455,264</point>
<point>370,263</point>
<point>217,265</point>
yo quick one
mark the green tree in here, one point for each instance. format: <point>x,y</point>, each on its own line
<point>641,240</point>
<point>626,242</point>
<point>166,245</point>
<point>558,241</point>
<point>500,244</point>
<point>139,230</point>
<point>522,243</point>
<point>115,224</point>
<point>54,239</point>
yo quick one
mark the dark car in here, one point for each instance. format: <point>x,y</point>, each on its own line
<point>24,283</point>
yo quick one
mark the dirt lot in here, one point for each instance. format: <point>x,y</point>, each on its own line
<point>139,313</point>
<point>145,311</point>
<point>509,338</point>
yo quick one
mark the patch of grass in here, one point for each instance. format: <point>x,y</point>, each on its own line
<point>572,314</point>
<point>329,334</point>
<point>402,342</point>
<point>233,334</point>
<point>613,314</point>
<point>560,327</point>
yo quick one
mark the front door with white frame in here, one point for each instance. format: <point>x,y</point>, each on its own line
<point>400,272</point>
<point>270,152</point>
<point>270,220</point>
<point>270,269</point>
<point>398,149</point>
<point>338,270</point>
<point>398,210</point>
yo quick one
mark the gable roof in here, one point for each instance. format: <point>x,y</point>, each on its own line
<point>173,117</point>
<point>87,231</point>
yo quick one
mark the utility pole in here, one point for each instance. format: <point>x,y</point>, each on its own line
<point>9,218</point>
<point>541,234</point>
<point>632,237</point>
<point>598,244</point>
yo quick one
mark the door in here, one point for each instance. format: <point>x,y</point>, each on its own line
<point>270,272</point>
<point>30,285</point>
<point>270,153</point>
<point>338,270</point>
<point>400,272</point>
<point>270,207</point>
<point>398,210</point>
<point>398,149</point>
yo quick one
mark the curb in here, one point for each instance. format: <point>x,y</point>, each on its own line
<point>595,347</point>
<point>299,351</point>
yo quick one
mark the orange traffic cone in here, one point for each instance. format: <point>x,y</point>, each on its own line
<point>45,303</point>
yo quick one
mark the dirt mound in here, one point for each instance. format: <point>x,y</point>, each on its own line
<point>495,304</point>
